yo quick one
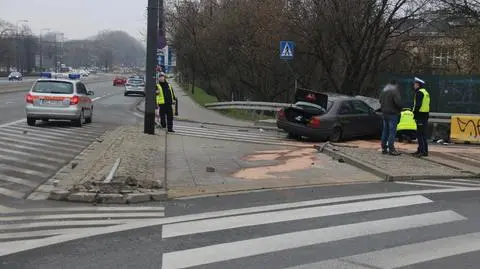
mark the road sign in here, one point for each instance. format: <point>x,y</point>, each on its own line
<point>287,50</point>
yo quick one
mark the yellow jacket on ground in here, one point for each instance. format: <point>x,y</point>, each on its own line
<point>407,122</point>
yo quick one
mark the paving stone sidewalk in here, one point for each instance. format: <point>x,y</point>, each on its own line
<point>139,178</point>
<point>403,167</point>
<point>199,166</point>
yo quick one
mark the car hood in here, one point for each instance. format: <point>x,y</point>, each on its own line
<point>304,95</point>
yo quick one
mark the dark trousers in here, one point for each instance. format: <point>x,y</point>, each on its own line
<point>389,131</point>
<point>166,111</point>
<point>422,126</point>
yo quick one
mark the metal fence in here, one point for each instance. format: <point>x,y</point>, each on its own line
<point>449,94</point>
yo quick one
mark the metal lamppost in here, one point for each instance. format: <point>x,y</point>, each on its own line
<point>151,63</point>
<point>41,46</point>
<point>17,55</point>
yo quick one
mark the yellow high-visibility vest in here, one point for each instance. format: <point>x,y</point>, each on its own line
<point>425,107</point>
<point>160,98</point>
<point>406,121</point>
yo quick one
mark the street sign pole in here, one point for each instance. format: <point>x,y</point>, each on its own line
<point>287,53</point>
<point>151,63</point>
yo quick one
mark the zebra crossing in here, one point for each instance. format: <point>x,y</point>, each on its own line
<point>35,227</point>
<point>448,183</point>
<point>29,155</point>
<point>379,232</point>
<point>235,134</point>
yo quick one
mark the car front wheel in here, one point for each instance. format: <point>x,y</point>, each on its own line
<point>31,121</point>
<point>337,135</point>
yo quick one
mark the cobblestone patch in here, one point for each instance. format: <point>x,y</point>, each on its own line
<point>140,175</point>
<point>403,167</point>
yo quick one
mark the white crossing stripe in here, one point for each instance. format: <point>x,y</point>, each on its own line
<point>448,183</point>
<point>83,216</point>
<point>246,248</point>
<point>406,255</point>
<point>248,136</point>
<point>426,184</point>
<point>31,154</point>
<point>209,225</point>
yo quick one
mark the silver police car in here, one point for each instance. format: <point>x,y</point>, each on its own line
<point>59,99</point>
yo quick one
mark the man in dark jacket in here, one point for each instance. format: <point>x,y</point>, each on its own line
<point>165,100</point>
<point>391,106</point>
<point>421,112</point>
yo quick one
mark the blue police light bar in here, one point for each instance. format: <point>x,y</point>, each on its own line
<point>46,75</point>
<point>74,76</point>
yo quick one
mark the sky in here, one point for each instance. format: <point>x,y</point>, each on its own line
<point>78,18</point>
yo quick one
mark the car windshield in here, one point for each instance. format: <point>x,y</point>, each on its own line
<point>135,82</point>
<point>53,87</point>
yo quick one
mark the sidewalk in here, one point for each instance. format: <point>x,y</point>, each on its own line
<point>189,110</point>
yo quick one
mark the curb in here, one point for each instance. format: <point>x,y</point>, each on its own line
<point>379,172</point>
<point>256,125</point>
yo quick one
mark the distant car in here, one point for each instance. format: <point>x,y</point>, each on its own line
<point>60,99</point>
<point>15,76</point>
<point>135,86</point>
<point>335,118</point>
<point>119,81</point>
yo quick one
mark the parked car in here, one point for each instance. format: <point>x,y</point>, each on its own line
<point>328,117</point>
<point>15,76</point>
<point>119,81</point>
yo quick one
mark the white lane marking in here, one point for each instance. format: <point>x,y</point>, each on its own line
<point>428,185</point>
<point>38,164</point>
<point>209,225</point>
<point>55,131</point>
<point>10,249</point>
<point>21,170</point>
<point>269,244</point>
<point>41,135</point>
<point>11,193</point>
<point>40,140</point>
<point>29,154</point>
<point>450,183</point>
<point>407,255</point>
<point>16,143</point>
<point>16,226</point>
<point>36,233</point>
<point>245,140</point>
<point>84,216</point>
<point>225,132</point>
<point>86,209</point>
<point>17,180</point>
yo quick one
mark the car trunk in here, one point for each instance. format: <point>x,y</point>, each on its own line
<point>307,105</point>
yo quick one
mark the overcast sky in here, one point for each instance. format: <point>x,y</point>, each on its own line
<point>77,18</point>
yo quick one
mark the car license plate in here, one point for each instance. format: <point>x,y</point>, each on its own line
<point>50,102</point>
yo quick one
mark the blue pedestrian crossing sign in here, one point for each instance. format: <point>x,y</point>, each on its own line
<point>287,50</point>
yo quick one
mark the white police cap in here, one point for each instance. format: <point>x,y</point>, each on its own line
<point>419,80</point>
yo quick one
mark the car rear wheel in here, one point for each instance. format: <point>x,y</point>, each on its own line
<point>337,135</point>
<point>89,119</point>
<point>79,122</point>
<point>31,122</point>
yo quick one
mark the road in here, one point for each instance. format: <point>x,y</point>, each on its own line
<point>423,224</point>
<point>30,155</point>
<point>381,225</point>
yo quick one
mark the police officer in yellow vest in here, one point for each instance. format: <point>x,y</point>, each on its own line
<point>421,111</point>
<point>407,127</point>
<point>165,99</point>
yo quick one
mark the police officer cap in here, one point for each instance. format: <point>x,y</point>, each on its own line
<point>419,80</point>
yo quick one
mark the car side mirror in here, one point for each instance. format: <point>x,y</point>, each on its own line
<point>90,93</point>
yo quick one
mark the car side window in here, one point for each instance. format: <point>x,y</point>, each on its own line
<point>360,107</point>
<point>345,109</point>
<point>81,89</point>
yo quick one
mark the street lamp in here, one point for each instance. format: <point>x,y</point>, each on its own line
<point>41,46</point>
<point>17,44</point>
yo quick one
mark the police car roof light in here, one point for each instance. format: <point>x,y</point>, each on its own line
<point>46,75</point>
<point>74,76</point>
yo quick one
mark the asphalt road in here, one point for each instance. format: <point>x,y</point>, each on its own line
<point>31,155</point>
<point>380,225</point>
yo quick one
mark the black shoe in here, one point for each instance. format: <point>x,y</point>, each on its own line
<point>394,153</point>
<point>384,151</point>
<point>424,154</point>
<point>171,131</point>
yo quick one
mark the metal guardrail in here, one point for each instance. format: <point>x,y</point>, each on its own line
<point>266,106</point>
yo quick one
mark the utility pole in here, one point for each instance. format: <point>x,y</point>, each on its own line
<point>151,63</point>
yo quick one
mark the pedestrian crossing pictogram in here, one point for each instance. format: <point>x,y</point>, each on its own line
<point>287,52</point>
